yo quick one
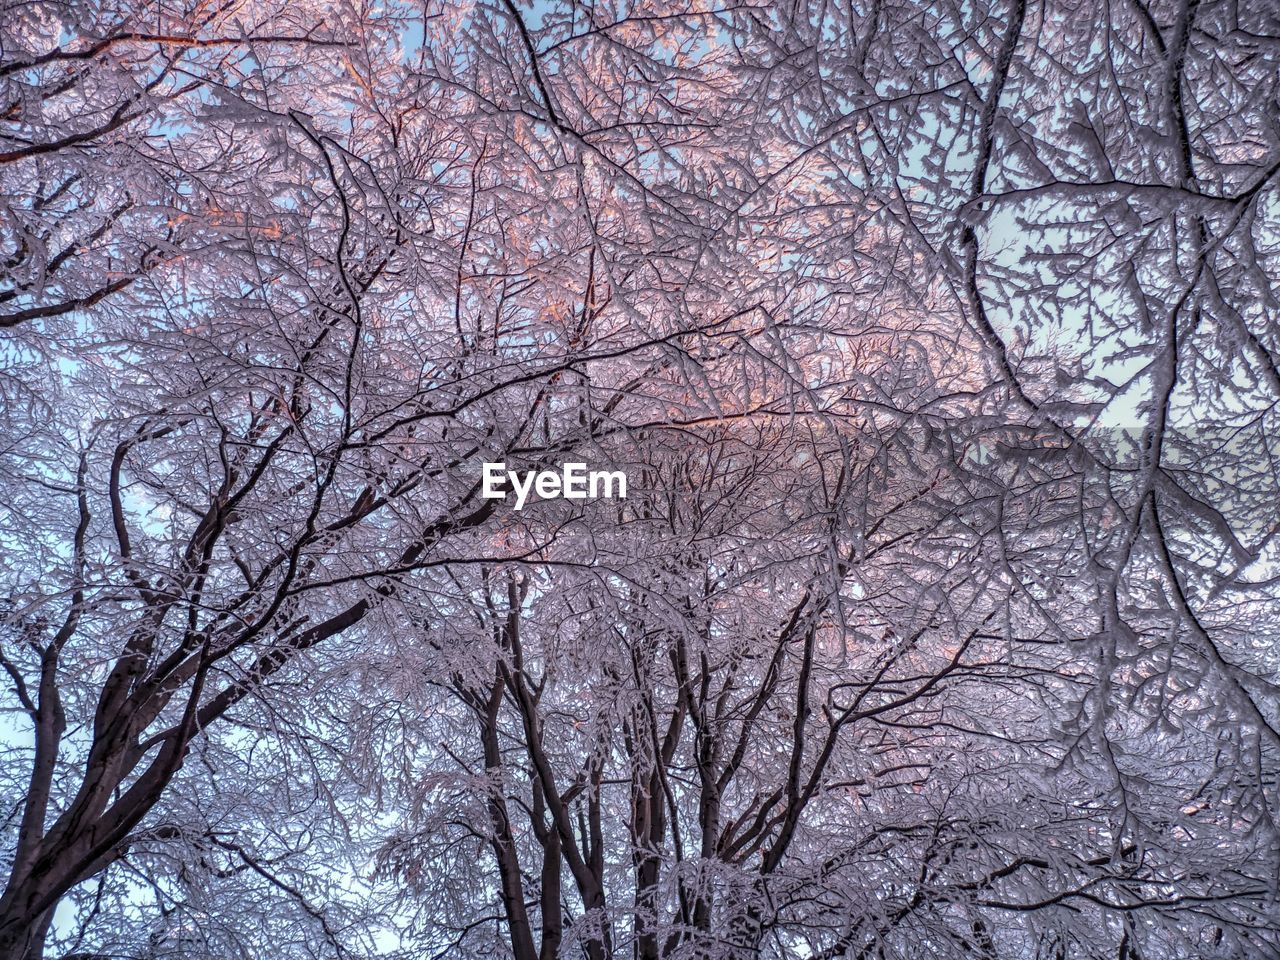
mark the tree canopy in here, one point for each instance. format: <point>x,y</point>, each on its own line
<point>937,343</point>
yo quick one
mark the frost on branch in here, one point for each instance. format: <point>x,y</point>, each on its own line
<point>937,347</point>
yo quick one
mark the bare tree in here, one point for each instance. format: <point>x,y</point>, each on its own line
<point>936,343</point>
